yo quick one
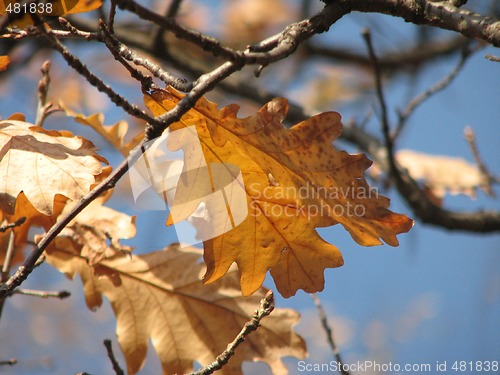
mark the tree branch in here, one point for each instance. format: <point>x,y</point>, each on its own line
<point>403,59</point>
<point>439,14</point>
<point>116,366</point>
<point>43,294</point>
<point>266,308</point>
<point>329,334</point>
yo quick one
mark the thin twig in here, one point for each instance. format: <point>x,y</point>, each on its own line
<point>440,85</point>
<point>76,64</point>
<point>116,366</point>
<point>205,42</point>
<point>43,89</point>
<point>5,272</point>
<point>493,58</point>
<point>329,334</point>
<point>111,19</point>
<point>43,294</point>
<point>9,255</point>
<point>17,223</point>
<point>9,362</point>
<point>75,31</point>
<point>159,41</point>
<point>381,98</point>
<point>485,173</point>
<point>121,51</point>
<point>405,58</point>
<point>146,81</point>
<point>266,307</point>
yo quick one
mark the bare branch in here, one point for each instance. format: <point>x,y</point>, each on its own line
<point>205,42</point>
<point>441,85</point>
<point>146,81</point>
<point>493,58</point>
<point>439,14</point>
<point>116,366</point>
<point>17,223</point>
<point>76,64</point>
<point>403,59</point>
<point>485,173</point>
<point>43,294</point>
<point>115,46</point>
<point>10,362</point>
<point>111,19</point>
<point>329,334</point>
<point>266,308</point>
<point>44,109</point>
<point>381,98</point>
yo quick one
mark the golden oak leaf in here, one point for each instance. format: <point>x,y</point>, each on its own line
<point>160,297</point>
<point>26,216</point>
<point>17,117</point>
<point>4,63</point>
<point>25,209</point>
<point>295,181</point>
<point>42,163</point>
<point>114,134</point>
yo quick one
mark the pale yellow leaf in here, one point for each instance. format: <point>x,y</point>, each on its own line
<point>160,297</point>
<point>44,163</point>
<point>442,174</point>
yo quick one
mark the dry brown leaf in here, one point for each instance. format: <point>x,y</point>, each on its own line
<point>4,63</point>
<point>442,174</point>
<point>114,134</point>
<point>295,181</point>
<point>43,163</point>
<point>160,297</point>
<point>97,229</point>
<point>17,117</point>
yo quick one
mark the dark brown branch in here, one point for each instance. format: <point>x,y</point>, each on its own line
<point>44,109</point>
<point>439,14</point>
<point>329,334</point>
<point>493,58</point>
<point>146,81</point>
<point>77,65</point>
<point>111,18</point>
<point>487,177</point>
<point>10,362</point>
<point>377,73</point>
<point>421,98</point>
<point>116,366</point>
<point>427,211</point>
<point>266,308</point>
<point>406,58</point>
<point>17,223</point>
<point>117,47</point>
<point>205,42</point>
